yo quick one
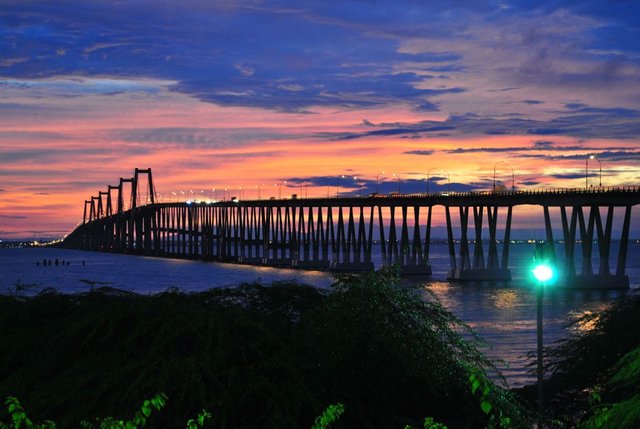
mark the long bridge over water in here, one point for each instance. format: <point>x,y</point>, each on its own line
<point>342,234</point>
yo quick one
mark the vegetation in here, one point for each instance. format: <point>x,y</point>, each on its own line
<point>595,381</point>
<point>256,356</point>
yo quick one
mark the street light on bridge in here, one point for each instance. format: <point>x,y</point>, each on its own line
<point>586,173</point>
<point>279,186</point>
<point>494,174</point>
<point>513,176</point>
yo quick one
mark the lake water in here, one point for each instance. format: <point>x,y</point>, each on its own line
<point>503,313</point>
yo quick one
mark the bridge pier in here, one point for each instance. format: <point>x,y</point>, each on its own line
<point>411,256</point>
<point>494,268</point>
<point>587,279</point>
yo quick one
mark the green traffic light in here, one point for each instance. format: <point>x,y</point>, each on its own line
<point>543,272</point>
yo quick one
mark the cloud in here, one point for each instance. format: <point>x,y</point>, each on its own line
<point>292,57</point>
<point>13,217</point>
<point>419,152</point>
<point>567,176</point>
<point>200,137</point>
<point>427,107</point>
<point>543,144</point>
<point>365,186</point>
<point>100,46</point>
<point>68,86</point>
<point>588,123</point>
<point>611,156</point>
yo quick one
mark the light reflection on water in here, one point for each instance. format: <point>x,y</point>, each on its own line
<point>505,317</point>
<point>503,313</point>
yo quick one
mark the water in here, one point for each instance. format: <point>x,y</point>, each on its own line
<point>503,313</point>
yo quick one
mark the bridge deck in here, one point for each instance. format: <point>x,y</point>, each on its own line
<point>600,196</point>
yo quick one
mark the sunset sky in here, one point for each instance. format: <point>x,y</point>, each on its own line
<point>215,94</point>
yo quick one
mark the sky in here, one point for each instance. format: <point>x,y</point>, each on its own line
<point>290,96</point>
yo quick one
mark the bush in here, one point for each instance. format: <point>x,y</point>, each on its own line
<point>255,356</point>
<point>600,365</point>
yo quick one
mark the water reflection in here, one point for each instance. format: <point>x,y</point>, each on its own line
<point>505,317</point>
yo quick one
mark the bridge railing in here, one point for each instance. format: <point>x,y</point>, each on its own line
<point>543,191</point>
<point>591,190</point>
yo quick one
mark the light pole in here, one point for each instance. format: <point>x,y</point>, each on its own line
<point>543,273</point>
<point>355,182</point>
<point>513,178</point>
<point>592,156</point>
<point>378,182</point>
<point>258,188</point>
<point>586,172</point>
<point>494,175</point>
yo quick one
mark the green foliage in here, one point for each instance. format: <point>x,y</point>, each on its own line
<point>395,354</point>
<point>488,396</point>
<point>260,356</point>
<point>139,419</point>
<point>580,360</point>
<point>198,422</point>
<point>621,415</point>
<point>599,369</point>
<point>19,419</point>
<point>623,394</point>
<point>626,374</point>
<point>328,416</point>
<point>429,423</point>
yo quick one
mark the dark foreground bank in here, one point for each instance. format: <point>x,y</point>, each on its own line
<point>595,376</point>
<point>253,356</point>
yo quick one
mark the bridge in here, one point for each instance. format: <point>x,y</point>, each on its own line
<point>343,234</point>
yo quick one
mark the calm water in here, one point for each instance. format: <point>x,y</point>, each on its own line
<point>502,313</point>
